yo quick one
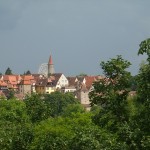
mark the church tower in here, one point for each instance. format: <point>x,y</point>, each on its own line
<point>50,66</point>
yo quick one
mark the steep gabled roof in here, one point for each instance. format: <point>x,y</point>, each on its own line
<point>72,81</point>
<point>28,77</point>
<point>46,82</point>
<point>41,82</point>
<point>11,80</point>
<point>37,76</point>
<point>56,76</point>
<point>27,80</point>
<point>89,81</point>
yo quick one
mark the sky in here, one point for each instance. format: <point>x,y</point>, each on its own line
<point>79,34</point>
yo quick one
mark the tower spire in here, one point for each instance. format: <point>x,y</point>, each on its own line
<point>50,60</point>
<point>50,66</point>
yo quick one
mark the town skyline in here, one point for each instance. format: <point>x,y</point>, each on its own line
<point>78,34</point>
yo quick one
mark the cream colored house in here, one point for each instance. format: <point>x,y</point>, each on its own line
<point>60,80</point>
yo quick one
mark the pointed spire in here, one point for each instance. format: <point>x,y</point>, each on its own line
<point>50,60</point>
<point>50,66</point>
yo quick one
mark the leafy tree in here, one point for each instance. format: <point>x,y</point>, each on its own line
<point>75,132</point>
<point>72,109</point>
<point>58,101</point>
<point>133,83</point>
<point>8,71</point>
<point>11,94</point>
<point>111,92</point>
<point>82,75</point>
<point>15,129</point>
<point>141,120</point>
<point>95,109</point>
<point>51,134</point>
<point>27,72</point>
<point>145,48</point>
<point>37,108</point>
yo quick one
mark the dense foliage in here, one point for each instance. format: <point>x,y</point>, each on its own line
<point>8,71</point>
<point>57,121</point>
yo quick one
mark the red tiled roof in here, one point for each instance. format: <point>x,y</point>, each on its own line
<point>11,80</point>
<point>27,77</point>
<point>27,80</point>
<point>89,81</point>
<point>3,83</point>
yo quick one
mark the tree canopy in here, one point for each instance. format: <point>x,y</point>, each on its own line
<point>8,71</point>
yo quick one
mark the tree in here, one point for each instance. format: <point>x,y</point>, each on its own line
<point>52,134</point>
<point>8,71</point>
<point>110,94</point>
<point>11,94</point>
<point>144,72</point>
<point>145,48</point>
<point>37,108</point>
<point>15,127</point>
<point>27,72</point>
<point>72,109</point>
<point>76,132</point>
<point>142,119</point>
<point>58,101</point>
<point>82,75</point>
<point>112,91</point>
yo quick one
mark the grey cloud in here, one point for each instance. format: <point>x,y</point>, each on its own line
<point>10,13</point>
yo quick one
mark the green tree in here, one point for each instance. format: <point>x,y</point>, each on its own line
<point>27,72</point>
<point>111,92</point>
<point>82,75</point>
<point>8,71</point>
<point>141,120</point>
<point>51,134</point>
<point>58,101</point>
<point>145,48</point>
<point>72,109</point>
<point>15,128</point>
<point>11,94</point>
<point>76,132</point>
<point>37,108</point>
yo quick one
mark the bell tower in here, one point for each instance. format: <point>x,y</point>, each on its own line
<point>50,66</point>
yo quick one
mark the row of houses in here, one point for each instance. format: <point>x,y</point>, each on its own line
<point>36,83</point>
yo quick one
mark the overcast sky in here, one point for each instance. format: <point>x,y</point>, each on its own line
<point>79,34</point>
